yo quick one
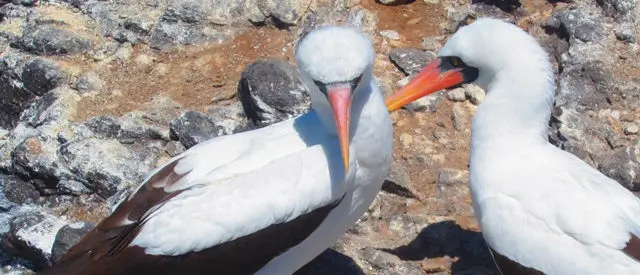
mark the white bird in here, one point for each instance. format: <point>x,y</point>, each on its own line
<point>541,210</point>
<point>265,201</point>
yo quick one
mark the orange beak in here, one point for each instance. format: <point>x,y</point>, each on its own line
<point>340,100</point>
<point>430,80</point>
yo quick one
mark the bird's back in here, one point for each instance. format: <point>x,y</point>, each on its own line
<point>547,209</point>
<point>203,209</point>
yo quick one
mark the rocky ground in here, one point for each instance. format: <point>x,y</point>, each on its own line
<point>95,94</point>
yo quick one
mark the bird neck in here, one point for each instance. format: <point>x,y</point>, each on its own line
<point>518,104</point>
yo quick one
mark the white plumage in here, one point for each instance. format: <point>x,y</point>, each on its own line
<point>286,181</point>
<point>538,206</point>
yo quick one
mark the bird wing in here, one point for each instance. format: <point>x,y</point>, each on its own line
<point>221,190</point>
<point>559,202</point>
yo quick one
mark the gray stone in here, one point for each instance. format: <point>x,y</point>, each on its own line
<point>193,127</point>
<point>67,237</point>
<point>89,82</point>
<point>169,34</point>
<point>27,3</point>
<point>449,177</point>
<point>272,91</point>
<point>55,107</point>
<point>230,117</point>
<point>457,94</point>
<point>410,60</point>
<point>17,190</point>
<point>432,43</point>
<point>579,23</point>
<point>398,182</point>
<point>174,148</point>
<point>13,99</point>
<point>40,76</point>
<point>622,165</point>
<point>459,118</point>
<point>474,93</point>
<point>37,158</point>
<point>31,237</point>
<point>72,187</point>
<point>106,165</point>
<point>362,19</point>
<point>626,32</point>
<point>51,40</point>
<point>103,126</point>
<point>631,129</point>
<point>619,9</point>
<point>391,34</point>
<point>287,12</point>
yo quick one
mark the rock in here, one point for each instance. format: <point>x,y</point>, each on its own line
<point>622,165</point>
<point>168,35</point>
<point>363,19</point>
<point>631,129</point>
<point>72,187</point>
<point>286,12</point>
<point>619,9</point>
<point>193,127</point>
<point>31,237</point>
<point>457,95</point>
<point>89,82</point>
<point>55,107</point>
<point>579,23</point>
<point>432,43</point>
<point>28,3</point>
<point>391,34</point>
<point>437,264</point>
<point>17,190</point>
<point>426,103</point>
<point>174,148</point>
<point>68,236</point>
<point>398,182</point>
<point>13,99</point>
<point>101,127</point>
<point>140,24</point>
<point>410,60</point>
<point>37,158</point>
<point>50,40</point>
<point>40,76</point>
<point>459,118</point>
<point>230,117</point>
<point>626,32</point>
<point>474,93</point>
<point>448,177</point>
<point>107,166</point>
<point>272,91</point>
<point>379,259</point>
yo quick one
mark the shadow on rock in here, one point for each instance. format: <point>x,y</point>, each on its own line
<point>331,262</point>
<point>449,239</point>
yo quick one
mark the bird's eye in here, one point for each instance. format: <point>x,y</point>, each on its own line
<point>456,61</point>
<point>355,82</point>
<point>320,86</point>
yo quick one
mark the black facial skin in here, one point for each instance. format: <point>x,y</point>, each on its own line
<point>353,83</point>
<point>447,63</point>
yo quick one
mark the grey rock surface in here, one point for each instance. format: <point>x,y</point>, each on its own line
<point>272,91</point>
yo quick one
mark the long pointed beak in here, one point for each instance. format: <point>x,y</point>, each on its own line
<point>430,80</point>
<point>340,100</point>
